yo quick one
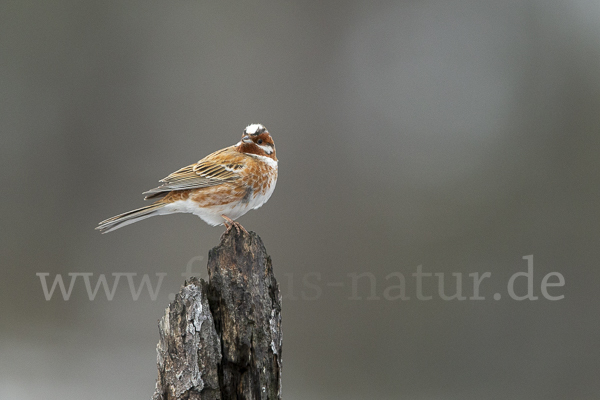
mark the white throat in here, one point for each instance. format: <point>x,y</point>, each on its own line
<point>270,162</point>
<point>266,149</point>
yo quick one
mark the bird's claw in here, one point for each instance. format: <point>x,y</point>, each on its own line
<point>232,224</point>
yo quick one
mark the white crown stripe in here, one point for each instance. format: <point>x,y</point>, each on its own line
<point>252,129</point>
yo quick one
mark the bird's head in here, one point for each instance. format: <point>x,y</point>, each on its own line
<point>257,140</point>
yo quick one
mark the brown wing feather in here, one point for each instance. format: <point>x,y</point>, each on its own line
<point>214,169</point>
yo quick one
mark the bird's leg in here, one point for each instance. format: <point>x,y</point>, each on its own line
<point>233,223</point>
<point>227,219</point>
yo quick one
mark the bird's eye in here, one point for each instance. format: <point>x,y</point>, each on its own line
<point>259,141</point>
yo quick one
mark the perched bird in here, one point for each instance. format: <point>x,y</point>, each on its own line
<point>220,188</point>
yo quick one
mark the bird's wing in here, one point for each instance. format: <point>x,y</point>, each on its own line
<point>215,169</point>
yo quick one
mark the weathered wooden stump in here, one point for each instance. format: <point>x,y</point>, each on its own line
<point>222,339</point>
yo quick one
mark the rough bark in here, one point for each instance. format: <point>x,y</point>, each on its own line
<point>222,339</point>
<point>189,349</point>
<point>246,305</point>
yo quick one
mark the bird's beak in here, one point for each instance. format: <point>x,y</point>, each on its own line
<point>246,139</point>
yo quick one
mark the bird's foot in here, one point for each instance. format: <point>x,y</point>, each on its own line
<point>232,224</point>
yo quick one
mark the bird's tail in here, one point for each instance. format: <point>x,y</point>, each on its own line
<point>119,221</point>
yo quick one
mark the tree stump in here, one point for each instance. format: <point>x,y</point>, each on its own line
<point>222,339</point>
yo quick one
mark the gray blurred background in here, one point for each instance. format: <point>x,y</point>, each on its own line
<point>457,135</point>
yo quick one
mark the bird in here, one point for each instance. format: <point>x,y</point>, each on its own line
<point>219,188</point>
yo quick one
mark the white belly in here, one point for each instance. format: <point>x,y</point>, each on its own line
<point>212,215</point>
